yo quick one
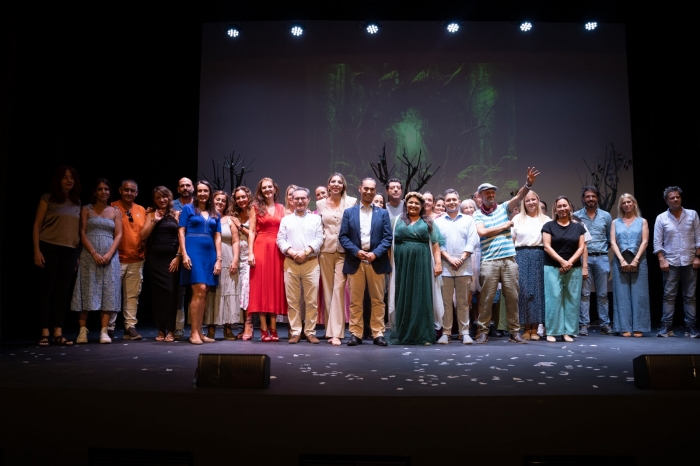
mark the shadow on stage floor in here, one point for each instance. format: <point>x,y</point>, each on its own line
<point>462,403</point>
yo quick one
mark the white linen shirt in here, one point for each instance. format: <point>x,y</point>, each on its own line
<point>299,232</point>
<point>460,236</point>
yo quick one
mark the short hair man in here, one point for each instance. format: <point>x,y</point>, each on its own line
<point>131,256</point>
<point>394,194</point>
<point>677,245</point>
<point>300,238</point>
<point>460,236</point>
<point>598,223</point>
<point>498,257</point>
<point>185,189</point>
<point>365,234</point>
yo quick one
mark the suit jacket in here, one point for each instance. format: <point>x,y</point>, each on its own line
<point>379,241</point>
<point>331,224</point>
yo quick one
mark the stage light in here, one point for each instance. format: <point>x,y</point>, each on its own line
<point>297,30</point>
<point>232,32</point>
<point>452,27</point>
<point>372,28</point>
<point>591,25</point>
<point>525,26</point>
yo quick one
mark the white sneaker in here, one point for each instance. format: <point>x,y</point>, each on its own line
<point>540,330</point>
<point>466,339</point>
<point>444,339</point>
<point>104,337</point>
<point>82,336</point>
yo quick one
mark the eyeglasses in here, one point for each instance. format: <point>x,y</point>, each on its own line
<point>128,214</point>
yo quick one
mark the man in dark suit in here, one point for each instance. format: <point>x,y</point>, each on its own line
<point>365,234</point>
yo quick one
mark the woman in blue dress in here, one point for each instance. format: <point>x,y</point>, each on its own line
<point>629,237</point>
<point>417,266</point>
<point>200,243</point>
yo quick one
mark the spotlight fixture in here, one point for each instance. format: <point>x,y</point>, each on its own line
<point>297,30</point>
<point>591,25</point>
<point>452,27</point>
<point>525,26</point>
<point>232,32</point>
<point>372,27</point>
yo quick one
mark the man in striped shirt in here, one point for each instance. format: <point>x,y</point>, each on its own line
<point>498,264</point>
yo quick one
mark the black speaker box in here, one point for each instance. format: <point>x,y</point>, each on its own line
<point>233,371</point>
<point>667,371</point>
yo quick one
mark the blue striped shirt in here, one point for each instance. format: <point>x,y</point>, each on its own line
<point>499,246</point>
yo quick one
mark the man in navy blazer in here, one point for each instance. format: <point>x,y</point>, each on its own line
<point>365,234</point>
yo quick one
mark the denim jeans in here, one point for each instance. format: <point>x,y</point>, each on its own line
<point>688,278</point>
<point>598,271</point>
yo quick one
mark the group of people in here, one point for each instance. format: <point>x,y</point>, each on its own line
<point>428,265</point>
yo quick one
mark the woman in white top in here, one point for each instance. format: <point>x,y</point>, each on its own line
<point>332,256</point>
<point>529,254</point>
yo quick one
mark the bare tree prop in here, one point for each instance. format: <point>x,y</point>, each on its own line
<point>415,176</point>
<point>233,165</point>
<point>605,176</point>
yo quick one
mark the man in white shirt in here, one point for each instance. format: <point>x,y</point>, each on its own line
<point>394,195</point>
<point>299,238</point>
<point>460,237</point>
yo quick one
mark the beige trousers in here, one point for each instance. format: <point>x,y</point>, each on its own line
<point>132,278</point>
<point>298,277</point>
<point>459,286</point>
<point>375,283</point>
<point>333,279</point>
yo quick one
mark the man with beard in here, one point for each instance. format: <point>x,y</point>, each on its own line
<point>598,223</point>
<point>498,257</point>
<point>185,189</point>
<point>394,194</point>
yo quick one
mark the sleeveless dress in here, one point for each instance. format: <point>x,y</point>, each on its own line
<point>98,287</point>
<point>243,270</point>
<point>199,243</point>
<point>161,249</point>
<point>267,277</point>
<point>414,322</point>
<point>631,311</point>
<point>222,303</point>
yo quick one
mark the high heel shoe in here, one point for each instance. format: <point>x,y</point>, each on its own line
<point>265,336</point>
<point>274,336</point>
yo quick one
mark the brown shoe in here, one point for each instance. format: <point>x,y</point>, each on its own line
<point>312,339</point>
<point>482,338</point>
<point>515,337</point>
<point>294,339</point>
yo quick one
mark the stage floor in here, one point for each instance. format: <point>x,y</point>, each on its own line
<point>593,365</point>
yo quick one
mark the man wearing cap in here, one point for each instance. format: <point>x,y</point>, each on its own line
<point>498,257</point>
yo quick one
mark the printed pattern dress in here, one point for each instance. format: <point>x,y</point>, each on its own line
<point>243,269</point>
<point>98,287</point>
<point>222,302</point>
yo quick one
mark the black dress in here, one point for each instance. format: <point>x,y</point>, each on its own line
<point>161,249</point>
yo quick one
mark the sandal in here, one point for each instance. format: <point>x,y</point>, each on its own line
<point>161,336</point>
<point>335,341</point>
<point>44,340</point>
<point>169,337</point>
<point>626,334</point>
<point>638,334</point>
<point>59,340</point>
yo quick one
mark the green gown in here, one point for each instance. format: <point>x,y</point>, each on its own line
<point>413,296</point>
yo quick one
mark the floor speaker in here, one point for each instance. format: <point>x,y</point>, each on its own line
<point>233,371</point>
<point>667,371</point>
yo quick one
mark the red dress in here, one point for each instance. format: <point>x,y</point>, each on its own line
<point>267,277</point>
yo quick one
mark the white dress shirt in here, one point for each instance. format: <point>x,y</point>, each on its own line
<point>300,232</point>
<point>365,226</point>
<point>460,236</point>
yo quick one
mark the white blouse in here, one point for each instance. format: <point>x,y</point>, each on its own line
<point>527,231</point>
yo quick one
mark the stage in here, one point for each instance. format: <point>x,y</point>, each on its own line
<point>499,402</point>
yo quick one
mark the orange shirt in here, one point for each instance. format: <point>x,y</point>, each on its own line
<point>131,248</point>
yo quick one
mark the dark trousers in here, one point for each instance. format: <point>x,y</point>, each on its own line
<point>55,283</point>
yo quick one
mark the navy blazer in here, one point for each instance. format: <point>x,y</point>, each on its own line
<point>379,241</point>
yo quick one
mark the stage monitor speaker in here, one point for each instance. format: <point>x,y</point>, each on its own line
<point>233,371</point>
<point>667,371</point>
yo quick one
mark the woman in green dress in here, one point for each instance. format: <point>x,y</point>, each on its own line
<point>417,267</point>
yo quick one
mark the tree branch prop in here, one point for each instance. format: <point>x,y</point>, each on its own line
<point>606,175</point>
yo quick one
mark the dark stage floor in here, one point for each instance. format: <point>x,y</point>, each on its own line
<point>481,404</point>
<point>593,365</point>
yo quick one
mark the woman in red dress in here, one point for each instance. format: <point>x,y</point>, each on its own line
<point>265,259</point>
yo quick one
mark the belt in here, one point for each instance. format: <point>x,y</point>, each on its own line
<point>597,254</point>
<point>308,258</point>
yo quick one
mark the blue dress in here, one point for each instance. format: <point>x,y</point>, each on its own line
<point>199,244</point>
<point>630,289</point>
